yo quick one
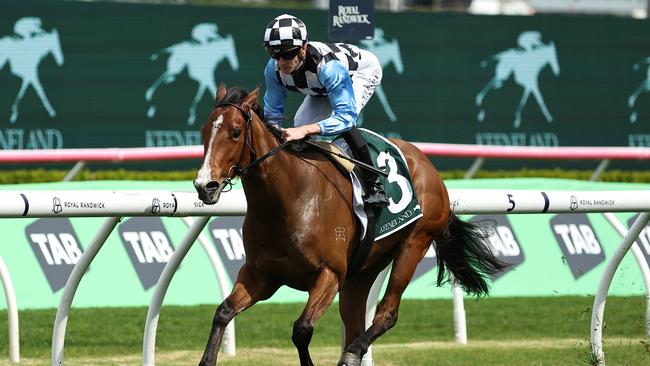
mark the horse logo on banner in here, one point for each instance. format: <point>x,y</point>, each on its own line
<point>526,63</point>
<point>643,87</point>
<point>200,56</point>
<point>388,52</point>
<point>24,52</point>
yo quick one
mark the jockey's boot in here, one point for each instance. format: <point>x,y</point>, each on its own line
<point>375,195</point>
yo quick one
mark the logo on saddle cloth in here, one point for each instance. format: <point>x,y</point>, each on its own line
<point>404,207</point>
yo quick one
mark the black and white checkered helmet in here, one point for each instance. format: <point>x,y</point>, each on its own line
<point>285,30</point>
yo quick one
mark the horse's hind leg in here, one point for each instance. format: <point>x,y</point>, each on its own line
<point>321,296</point>
<point>249,288</point>
<point>353,298</point>
<point>404,264</point>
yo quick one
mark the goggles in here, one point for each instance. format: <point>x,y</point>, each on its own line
<point>286,55</point>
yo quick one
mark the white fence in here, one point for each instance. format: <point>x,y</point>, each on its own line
<point>183,204</point>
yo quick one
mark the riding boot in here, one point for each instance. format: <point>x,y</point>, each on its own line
<point>375,194</point>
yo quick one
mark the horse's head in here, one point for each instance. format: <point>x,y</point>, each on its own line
<point>230,52</point>
<point>395,55</point>
<point>227,141</point>
<point>551,56</point>
<point>55,46</point>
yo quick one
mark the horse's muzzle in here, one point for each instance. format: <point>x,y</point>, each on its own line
<point>209,193</point>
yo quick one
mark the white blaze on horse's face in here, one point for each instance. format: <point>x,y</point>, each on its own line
<point>209,195</point>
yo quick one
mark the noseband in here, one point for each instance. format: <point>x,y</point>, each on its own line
<point>248,141</point>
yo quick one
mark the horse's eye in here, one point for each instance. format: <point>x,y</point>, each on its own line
<point>236,132</point>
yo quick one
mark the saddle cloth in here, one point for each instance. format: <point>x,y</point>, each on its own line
<point>404,207</point>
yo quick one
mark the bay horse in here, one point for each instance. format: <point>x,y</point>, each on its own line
<point>300,230</point>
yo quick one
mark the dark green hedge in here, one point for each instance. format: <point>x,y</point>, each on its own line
<point>43,175</point>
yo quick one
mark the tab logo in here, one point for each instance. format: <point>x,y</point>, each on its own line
<point>56,247</point>
<point>644,239</point>
<point>148,244</point>
<point>503,241</point>
<point>578,242</point>
<point>226,232</point>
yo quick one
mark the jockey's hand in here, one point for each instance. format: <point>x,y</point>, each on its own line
<point>299,133</point>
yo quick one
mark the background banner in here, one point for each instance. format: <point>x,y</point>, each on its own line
<point>93,74</point>
<point>569,252</point>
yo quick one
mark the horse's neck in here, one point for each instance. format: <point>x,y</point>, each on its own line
<point>267,183</point>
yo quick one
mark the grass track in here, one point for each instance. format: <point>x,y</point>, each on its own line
<point>513,331</point>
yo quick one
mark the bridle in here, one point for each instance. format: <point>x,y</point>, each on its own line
<point>248,141</point>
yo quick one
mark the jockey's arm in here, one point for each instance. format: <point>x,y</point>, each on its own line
<point>336,79</point>
<point>274,96</point>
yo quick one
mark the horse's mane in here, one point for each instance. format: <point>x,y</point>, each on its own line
<point>236,95</point>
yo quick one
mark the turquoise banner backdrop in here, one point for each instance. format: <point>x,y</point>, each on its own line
<point>94,74</point>
<point>569,252</point>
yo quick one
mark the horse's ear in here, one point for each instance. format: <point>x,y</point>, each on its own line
<point>221,92</point>
<point>251,98</point>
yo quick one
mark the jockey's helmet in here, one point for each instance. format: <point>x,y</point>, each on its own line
<point>284,32</point>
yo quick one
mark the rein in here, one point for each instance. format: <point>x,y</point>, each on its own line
<point>248,141</point>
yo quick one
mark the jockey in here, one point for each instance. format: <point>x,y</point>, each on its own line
<point>337,80</point>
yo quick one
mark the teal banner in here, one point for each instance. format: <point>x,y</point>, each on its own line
<point>569,251</point>
<point>101,74</point>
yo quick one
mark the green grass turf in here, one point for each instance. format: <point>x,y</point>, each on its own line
<point>501,331</point>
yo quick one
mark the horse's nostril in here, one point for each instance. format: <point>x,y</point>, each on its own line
<point>212,185</point>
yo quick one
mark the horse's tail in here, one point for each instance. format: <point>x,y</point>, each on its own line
<point>462,249</point>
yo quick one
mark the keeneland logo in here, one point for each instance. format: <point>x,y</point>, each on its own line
<point>24,52</point>
<point>525,63</point>
<point>200,56</point>
<point>574,203</point>
<point>57,208</point>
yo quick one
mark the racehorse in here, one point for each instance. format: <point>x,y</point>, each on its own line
<point>201,57</point>
<point>24,56</point>
<point>526,66</point>
<point>300,230</point>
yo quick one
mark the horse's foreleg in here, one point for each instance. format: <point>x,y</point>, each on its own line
<point>542,105</point>
<point>249,288</point>
<point>520,107</point>
<point>19,97</point>
<point>195,102</point>
<point>321,296</point>
<point>645,86</point>
<point>386,316</point>
<point>41,93</point>
<point>384,102</point>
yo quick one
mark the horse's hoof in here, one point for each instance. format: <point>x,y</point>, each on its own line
<point>349,359</point>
